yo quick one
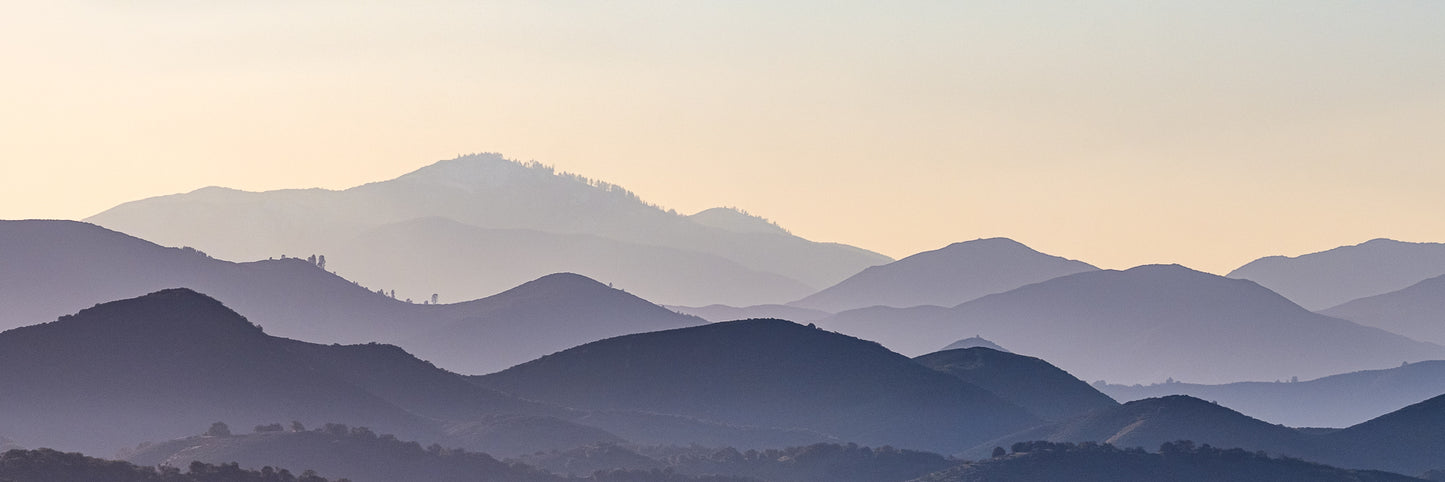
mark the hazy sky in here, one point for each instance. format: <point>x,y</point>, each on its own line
<point>1206,133</point>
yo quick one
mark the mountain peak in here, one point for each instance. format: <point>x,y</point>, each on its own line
<point>176,313</point>
<point>974,342</point>
<point>946,276</point>
<point>736,220</point>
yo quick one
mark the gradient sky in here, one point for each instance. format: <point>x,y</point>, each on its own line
<point>1116,132</point>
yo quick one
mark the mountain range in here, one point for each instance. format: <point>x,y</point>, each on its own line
<point>508,222</point>
<point>1147,324</point>
<point>54,267</point>
<point>1417,311</point>
<point>1321,280</point>
<point>1334,401</point>
<point>948,276</point>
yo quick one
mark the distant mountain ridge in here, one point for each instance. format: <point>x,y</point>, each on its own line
<point>947,276</point>
<point>487,191</point>
<point>1417,311</point>
<point>1333,401</point>
<point>1328,278</point>
<point>1148,324</point>
<point>55,267</point>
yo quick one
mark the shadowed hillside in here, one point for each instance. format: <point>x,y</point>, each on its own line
<point>770,373</point>
<point>944,277</point>
<point>159,366</point>
<point>1320,280</point>
<point>1410,440</point>
<point>488,191</point>
<point>1028,382</point>
<point>1148,324</point>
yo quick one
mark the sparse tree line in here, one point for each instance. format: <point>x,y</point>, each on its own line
<point>46,465</point>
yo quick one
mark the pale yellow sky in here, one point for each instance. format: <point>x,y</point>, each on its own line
<point>1119,133</point>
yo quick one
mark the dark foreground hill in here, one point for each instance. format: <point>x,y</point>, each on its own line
<point>1320,280</point>
<point>339,451</point>
<point>1148,324</point>
<point>1410,440</point>
<point>1334,401</point>
<point>947,276</point>
<point>488,191</point>
<point>1151,422</point>
<point>1417,311</point>
<point>52,268</point>
<point>1407,441</point>
<point>770,373</point>
<point>1181,461</point>
<point>812,463</point>
<point>158,366</point>
<point>1028,382</point>
<point>46,465</point>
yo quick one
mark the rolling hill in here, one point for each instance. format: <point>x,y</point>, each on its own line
<point>948,276</point>
<point>770,373</point>
<point>1028,382</point>
<point>488,191</point>
<point>171,362</point>
<point>1328,278</point>
<point>1417,311</point>
<point>1148,324</point>
<point>55,267</point>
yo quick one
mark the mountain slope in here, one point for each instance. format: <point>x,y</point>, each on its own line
<point>1321,280</point>
<point>1028,382</point>
<point>1417,311</point>
<point>1409,440</point>
<point>944,277</point>
<point>485,191</point>
<point>568,309</point>
<point>770,373</point>
<point>49,268</point>
<point>162,365</point>
<point>1334,401</point>
<point>1155,421</point>
<point>1175,462</point>
<point>1147,324</point>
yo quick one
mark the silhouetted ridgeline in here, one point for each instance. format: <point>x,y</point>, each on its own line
<point>944,277</point>
<point>157,366</point>
<point>1320,280</point>
<point>1148,324</point>
<point>1333,401</point>
<point>1180,461</point>
<point>1416,311</point>
<point>488,191</point>
<point>770,373</point>
<point>1028,382</point>
<point>55,267</point>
